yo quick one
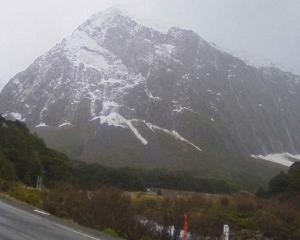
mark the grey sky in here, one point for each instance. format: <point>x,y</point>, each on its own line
<point>255,29</point>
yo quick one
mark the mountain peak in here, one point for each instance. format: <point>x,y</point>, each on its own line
<point>100,17</point>
<point>112,13</point>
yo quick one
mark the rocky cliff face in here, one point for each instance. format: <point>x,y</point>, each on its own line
<point>121,93</point>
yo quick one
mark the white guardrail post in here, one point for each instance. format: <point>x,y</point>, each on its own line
<point>226,232</point>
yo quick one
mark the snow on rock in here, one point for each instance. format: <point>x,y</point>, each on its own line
<point>136,133</point>
<point>65,124</point>
<point>152,97</point>
<point>41,125</point>
<point>179,109</point>
<point>109,106</point>
<point>117,120</point>
<point>285,159</point>
<point>164,50</point>
<point>17,116</point>
<point>83,49</point>
<point>162,27</point>
<point>177,135</point>
<point>112,119</point>
<point>172,133</point>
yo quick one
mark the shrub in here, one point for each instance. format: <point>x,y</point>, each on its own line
<point>28,195</point>
<point>111,232</point>
<point>224,201</point>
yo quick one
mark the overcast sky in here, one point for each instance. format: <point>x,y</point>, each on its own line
<point>260,30</point>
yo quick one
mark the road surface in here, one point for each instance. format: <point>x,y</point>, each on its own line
<point>18,222</point>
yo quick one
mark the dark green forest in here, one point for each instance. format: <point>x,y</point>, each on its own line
<point>24,156</point>
<point>286,183</point>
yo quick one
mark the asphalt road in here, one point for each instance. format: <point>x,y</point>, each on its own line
<point>18,222</point>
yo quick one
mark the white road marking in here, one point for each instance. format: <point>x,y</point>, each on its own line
<point>41,212</point>
<point>77,232</point>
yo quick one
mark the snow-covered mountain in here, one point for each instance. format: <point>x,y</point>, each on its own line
<point>122,92</point>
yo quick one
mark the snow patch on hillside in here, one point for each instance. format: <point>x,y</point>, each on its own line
<point>117,120</point>
<point>285,159</point>
<point>172,133</point>
<point>83,49</point>
<point>65,124</point>
<point>113,119</point>
<point>17,116</point>
<point>41,125</point>
<point>178,136</point>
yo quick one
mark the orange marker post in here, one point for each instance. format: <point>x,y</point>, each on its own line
<point>185,227</point>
